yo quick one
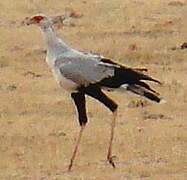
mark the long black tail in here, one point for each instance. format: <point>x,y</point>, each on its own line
<point>133,79</point>
<point>139,90</point>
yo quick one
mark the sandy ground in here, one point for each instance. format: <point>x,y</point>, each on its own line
<point>38,125</point>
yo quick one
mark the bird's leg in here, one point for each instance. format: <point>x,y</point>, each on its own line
<point>96,93</point>
<point>76,147</point>
<point>79,100</point>
<point>113,124</point>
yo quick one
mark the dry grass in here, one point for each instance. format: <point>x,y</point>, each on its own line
<point>37,119</point>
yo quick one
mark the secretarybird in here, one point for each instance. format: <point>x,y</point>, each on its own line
<point>87,74</point>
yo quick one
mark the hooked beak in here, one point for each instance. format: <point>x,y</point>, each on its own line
<point>28,21</point>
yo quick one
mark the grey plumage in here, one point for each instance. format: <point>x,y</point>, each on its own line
<point>83,70</point>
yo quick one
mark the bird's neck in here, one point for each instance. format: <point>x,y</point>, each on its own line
<point>55,45</point>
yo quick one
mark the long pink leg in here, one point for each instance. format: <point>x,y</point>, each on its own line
<point>76,147</point>
<point>113,124</point>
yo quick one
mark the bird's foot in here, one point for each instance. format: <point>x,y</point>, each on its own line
<point>110,160</point>
<point>70,166</point>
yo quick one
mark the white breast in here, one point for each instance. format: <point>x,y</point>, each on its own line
<point>65,83</point>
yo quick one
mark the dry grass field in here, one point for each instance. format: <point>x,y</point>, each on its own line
<point>38,125</point>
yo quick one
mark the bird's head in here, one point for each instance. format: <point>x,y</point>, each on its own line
<point>40,20</point>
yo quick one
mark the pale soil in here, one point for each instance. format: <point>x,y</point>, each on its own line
<point>38,124</point>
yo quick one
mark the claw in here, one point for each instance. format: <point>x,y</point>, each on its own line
<point>69,167</point>
<point>110,160</point>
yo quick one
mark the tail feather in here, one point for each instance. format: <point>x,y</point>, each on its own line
<point>143,84</point>
<point>137,75</point>
<point>143,92</point>
<point>132,80</point>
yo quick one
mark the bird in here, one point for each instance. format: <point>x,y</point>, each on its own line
<point>87,74</point>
